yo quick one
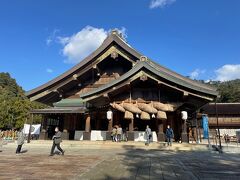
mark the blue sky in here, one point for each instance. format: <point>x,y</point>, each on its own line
<point>42,39</point>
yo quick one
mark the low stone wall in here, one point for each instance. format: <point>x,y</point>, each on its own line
<point>96,135</point>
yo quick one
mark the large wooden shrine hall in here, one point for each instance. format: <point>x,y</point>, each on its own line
<point>119,81</point>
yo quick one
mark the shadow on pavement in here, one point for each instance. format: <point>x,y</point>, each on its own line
<point>136,163</point>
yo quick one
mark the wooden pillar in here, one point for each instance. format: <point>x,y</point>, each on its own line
<point>131,125</point>
<point>110,125</point>
<point>184,126</point>
<point>67,118</point>
<point>88,123</point>
<point>160,127</point>
<point>99,121</point>
<point>184,133</point>
<point>87,133</point>
<point>30,127</point>
<point>74,122</point>
<point>66,122</point>
<point>43,133</point>
<point>161,135</point>
<point>44,123</point>
<point>131,130</point>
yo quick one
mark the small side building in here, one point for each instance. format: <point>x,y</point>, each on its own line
<point>228,115</point>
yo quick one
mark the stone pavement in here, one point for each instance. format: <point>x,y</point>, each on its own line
<point>89,160</point>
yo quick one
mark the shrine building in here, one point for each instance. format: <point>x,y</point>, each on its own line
<point>117,85</point>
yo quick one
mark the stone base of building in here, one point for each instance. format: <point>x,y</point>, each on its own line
<point>86,136</point>
<point>130,136</point>
<point>108,136</point>
<point>94,135</point>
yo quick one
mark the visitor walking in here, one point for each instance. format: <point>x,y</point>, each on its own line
<point>20,140</point>
<point>169,135</point>
<point>57,139</point>
<point>148,132</point>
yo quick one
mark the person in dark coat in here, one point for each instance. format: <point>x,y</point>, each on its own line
<point>57,139</point>
<point>20,141</point>
<point>169,135</point>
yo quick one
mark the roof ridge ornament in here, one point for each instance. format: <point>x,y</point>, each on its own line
<point>114,31</point>
<point>118,33</point>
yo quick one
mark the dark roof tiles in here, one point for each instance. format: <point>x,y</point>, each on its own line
<point>115,38</point>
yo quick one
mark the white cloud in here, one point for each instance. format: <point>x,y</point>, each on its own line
<point>84,42</point>
<point>48,70</point>
<point>52,37</point>
<point>160,3</point>
<point>196,73</point>
<point>228,72</point>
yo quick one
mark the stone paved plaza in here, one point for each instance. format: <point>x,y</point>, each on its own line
<point>116,161</point>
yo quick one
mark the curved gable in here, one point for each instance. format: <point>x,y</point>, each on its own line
<point>112,39</point>
<point>148,66</point>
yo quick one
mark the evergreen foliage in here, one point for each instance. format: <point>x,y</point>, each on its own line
<point>14,105</point>
<point>229,91</point>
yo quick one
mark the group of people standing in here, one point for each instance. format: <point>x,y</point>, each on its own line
<point>119,134</point>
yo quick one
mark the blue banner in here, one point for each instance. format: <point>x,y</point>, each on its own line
<point>205,126</point>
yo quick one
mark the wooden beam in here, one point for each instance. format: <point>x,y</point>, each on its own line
<point>38,96</point>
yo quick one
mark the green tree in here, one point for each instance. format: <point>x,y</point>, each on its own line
<point>229,91</point>
<point>14,106</point>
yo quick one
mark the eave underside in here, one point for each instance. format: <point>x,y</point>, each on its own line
<point>144,69</point>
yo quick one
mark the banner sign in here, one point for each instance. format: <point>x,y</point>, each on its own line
<point>205,126</point>
<point>35,128</point>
